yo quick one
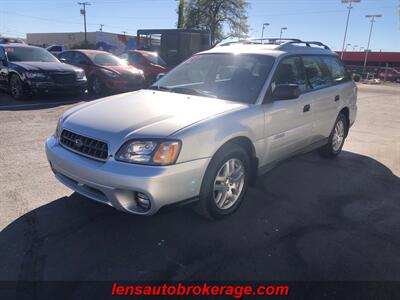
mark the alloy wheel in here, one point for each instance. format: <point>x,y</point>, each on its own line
<point>338,136</point>
<point>229,183</point>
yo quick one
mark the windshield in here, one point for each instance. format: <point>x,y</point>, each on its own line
<point>154,58</point>
<point>29,54</point>
<point>224,76</point>
<point>106,59</point>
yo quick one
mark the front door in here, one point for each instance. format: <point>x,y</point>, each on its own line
<point>288,123</point>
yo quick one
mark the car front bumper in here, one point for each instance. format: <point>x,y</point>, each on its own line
<point>117,183</point>
<point>52,88</point>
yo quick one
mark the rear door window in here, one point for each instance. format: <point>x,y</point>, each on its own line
<point>317,72</point>
<point>290,71</point>
<point>336,69</point>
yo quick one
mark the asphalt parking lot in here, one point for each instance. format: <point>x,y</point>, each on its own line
<point>308,219</point>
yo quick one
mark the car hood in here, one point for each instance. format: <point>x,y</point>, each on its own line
<point>122,69</point>
<point>45,66</point>
<point>144,113</point>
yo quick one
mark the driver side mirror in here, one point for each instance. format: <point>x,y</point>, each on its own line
<point>159,76</point>
<point>286,92</point>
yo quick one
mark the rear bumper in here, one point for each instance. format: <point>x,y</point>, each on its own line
<point>116,183</point>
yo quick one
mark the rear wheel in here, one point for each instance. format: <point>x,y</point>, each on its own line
<point>336,138</point>
<point>225,182</point>
<point>16,87</point>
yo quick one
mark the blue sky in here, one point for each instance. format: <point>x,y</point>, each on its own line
<point>322,20</point>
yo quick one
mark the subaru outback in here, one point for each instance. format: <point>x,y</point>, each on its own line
<point>204,131</point>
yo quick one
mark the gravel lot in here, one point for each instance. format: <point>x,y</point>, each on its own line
<point>307,219</point>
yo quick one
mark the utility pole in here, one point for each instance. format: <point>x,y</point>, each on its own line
<point>181,18</point>
<point>83,12</point>
<point>372,19</point>
<point>350,2</point>
<point>262,33</point>
<point>282,29</point>
<point>101,27</point>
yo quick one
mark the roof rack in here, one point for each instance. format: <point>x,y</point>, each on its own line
<point>280,42</point>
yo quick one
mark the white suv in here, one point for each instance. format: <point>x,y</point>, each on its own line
<point>206,129</point>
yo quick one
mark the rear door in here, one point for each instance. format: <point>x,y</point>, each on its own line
<point>325,96</point>
<point>288,123</point>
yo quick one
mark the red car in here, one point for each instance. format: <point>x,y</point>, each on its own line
<point>105,72</point>
<point>149,62</point>
<point>390,75</point>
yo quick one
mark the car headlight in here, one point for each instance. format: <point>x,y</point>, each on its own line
<point>150,152</point>
<point>36,75</point>
<point>80,75</point>
<point>57,133</point>
<point>110,73</point>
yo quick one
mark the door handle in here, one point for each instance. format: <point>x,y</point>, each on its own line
<point>337,98</point>
<point>306,108</point>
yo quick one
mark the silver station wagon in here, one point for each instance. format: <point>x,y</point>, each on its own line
<point>204,131</point>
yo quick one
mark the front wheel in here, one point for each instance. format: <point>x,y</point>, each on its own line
<point>336,138</point>
<point>97,86</point>
<point>225,183</point>
<point>16,87</point>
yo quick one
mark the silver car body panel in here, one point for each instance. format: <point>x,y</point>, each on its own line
<point>276,129</point>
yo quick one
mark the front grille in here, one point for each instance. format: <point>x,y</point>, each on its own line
<point>84,145</point>
<point>63,78</point>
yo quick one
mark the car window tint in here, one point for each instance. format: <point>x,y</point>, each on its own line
<point>67,56</point>
<point>55,48</point>
<point>317,72</point>
<point>78,58</point>
<point>289,71</point>
<point>135,59</point>
<point>336,68</point>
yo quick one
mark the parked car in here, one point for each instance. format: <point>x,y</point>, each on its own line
<point>56,49</point>
<point>105,72</point>
<point>390,75</point>
<point>148,61</point>
<point>11,40</point>
<point>207,128</point>
<point>27,70</point>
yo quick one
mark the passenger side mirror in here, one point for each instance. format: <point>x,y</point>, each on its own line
<point>286,92</point>
<point>63,60</point>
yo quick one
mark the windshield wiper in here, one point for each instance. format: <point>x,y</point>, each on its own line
<point>184,90</point>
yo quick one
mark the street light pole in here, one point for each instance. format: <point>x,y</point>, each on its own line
<point>83,12</point>
<point>282,29</point>
<point>350,2</point>
<point>262,33</point>
<point>372,18</point>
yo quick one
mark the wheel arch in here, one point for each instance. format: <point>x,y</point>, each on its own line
<point>346,112</point>
<point>249,147</point>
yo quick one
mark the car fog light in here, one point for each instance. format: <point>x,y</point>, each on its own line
<point>143,201</point>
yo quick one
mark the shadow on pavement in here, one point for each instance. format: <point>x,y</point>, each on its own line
<point>40,102</point>
<point>308,219</point>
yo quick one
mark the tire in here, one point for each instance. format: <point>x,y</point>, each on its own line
<point>215,204</point>
<point>336,138</point>
<point>97,86</point>
<point>16,87</point>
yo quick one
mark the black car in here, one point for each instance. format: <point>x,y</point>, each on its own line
<point>26,70</point>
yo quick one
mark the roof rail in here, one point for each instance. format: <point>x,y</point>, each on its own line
<point>307,43</point>
<point>280,42</point>
<point>271,41</point>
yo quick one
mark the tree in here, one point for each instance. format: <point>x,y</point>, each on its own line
<point>181,7</point>
<point>218,16</point>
